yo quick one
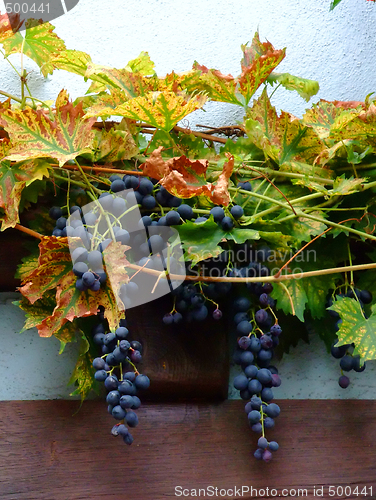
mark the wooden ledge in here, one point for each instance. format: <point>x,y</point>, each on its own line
<point>48,454</point>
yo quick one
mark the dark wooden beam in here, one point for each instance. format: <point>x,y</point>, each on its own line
<point>47,453</point>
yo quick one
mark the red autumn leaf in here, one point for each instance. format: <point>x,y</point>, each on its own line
<point>53,270</point>
<point>186,178</point>
<point>9,25</point>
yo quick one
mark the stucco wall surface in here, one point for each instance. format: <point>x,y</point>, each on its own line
<point>335,48</point>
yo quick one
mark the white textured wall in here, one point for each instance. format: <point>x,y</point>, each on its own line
<point>336,48</point>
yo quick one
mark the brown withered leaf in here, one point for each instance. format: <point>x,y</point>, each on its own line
<point>117,275</point>
<point>186,178</point>
<point>220,194</point>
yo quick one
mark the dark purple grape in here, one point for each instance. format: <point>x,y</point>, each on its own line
<point>250,371</point>
<point>276,330</point>
<point>240,382</point>
<point>266,341</point>
<point>273,446</point>
<point>136,356</point>
<point>254,416</point>
<point>262,443</point>
<point>217,314</point>
<point>218,214</point>
<point>261,316</point>
<point>264,300</point>
<point>272,410</point>
<point>142,382</point>
<point>227,223</point>
<point>346,363</point>
<point>344,381</point>
<point>267,456</point>
<point>55,213</point>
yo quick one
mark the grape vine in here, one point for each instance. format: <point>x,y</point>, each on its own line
<point>265,223</point>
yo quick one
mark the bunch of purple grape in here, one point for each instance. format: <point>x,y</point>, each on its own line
<point>116,368</point>
<point>344,352</point>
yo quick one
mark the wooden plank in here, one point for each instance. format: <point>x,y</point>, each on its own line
<point>48,454</point>
<point>184,361</point>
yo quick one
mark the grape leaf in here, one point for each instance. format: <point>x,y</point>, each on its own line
<point>201,241</point>
<point>142,65</point>
<point>343,186</point>
<point>284,138</point>
<point>258,62</point>
<point>130,84</point>
<point>304,87</point>
<point>112,145</point>
<point>54,270</point>
<point>302,229</point>
<point>34,134</point>
<point>355,328</point>
<point>116,263</point>
<point>13,179</point>
<point>160,109</point>
<point>41,44</point>
<point>186,178</point>
<point>326,117</point>
<point>217,86</point>
<point>291,297</point>
<point>83,373</point>
<point>9,25</point>
<point>74,61</point>
<point>42,308</point>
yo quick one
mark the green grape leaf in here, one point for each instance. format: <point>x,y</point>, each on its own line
<point>334,4</point>
<point>304,87</point>
<point>73,61</point>
<point>42,308</point>
<point>291,297</point>
<point>130,84</point>
<point>302,229</point>
<point>201,241</point>
<point>34,134</point>
<point>355,328</point>
<point>142,65</point>
<point>41,44</point>
<point>284,138</point>
<point>83,373</point>
<point>13,180</point>
<point>343,186</point>
<point>217,86</point>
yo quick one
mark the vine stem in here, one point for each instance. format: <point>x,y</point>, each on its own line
<point>28,231</point>
<point>187,131</point>
<point>212,279</point>
<point>11,96</point>
<point>104,169</point>
<point>264,279</point>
